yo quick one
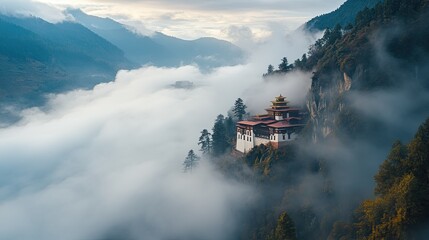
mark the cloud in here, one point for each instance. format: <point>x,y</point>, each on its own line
<point>111,158</point>
<point>29,8</point>
<point>107,162</point>
<point>238,5</point>
<point>194,19</point>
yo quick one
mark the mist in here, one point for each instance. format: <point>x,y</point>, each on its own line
<point>28,8</point>
<point>338,170</point>
<point>106,163</point>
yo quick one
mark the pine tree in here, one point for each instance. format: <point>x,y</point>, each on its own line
<point>239,109</point>
<point>230,129</point>
<point>392,169</point>
<point>402,201</point>
<point>285,229</point>
<point>191,161</point>
<point>220,139</point>
<point>205,141</point>
<point>284,66</point>
<point>270,69</point>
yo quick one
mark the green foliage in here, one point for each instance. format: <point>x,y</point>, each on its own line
<point>341,231</point>
<point>239,109</point>
<point>403,192</point>
<point>261,157</point>
<point>284,66</point>
<point>205,141</point>
<point>37,57</point>
<point>230,128</point>
<point>191,161</point>
<point>220,138</point>
<point>270,69</point>
<point>301,63</point>
<point>343,16</point>
<point>391,168</point>
<point>285,229</point>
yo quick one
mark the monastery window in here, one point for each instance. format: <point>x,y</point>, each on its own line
<point>288,135</point>
<point>250,138</point>
<point>274,137</point>
<point>284,137</point>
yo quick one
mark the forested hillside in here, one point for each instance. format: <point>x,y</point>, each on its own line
<point>38,57</point>
<point>369,88</point>
<point>344,15</point>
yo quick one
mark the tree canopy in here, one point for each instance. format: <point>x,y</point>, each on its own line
<point>402,201</point>
<point>220,138</point>
<point>239,109</point>
<point>205,141</point>
<point>191,161</point>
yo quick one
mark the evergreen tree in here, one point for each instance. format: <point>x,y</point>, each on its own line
<point>391,169</point>
<point>191,161</point>
<point>403,192</point>
<point>301,63</point>
<point>220,139</point>
<point>285,229</point>
<point>270,69</point>
<point>239,109</point>
<point>284,66</point>
<point>205,141</point>
<point>230,130</point>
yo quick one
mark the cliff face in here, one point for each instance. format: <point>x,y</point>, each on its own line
<point>325,104</point>
<point>384,52</point>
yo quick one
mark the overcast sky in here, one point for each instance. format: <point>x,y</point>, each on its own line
<point>191,19</point>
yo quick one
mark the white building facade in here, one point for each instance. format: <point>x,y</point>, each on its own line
<point>280,126</point>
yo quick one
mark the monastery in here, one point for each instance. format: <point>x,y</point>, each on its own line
<point>279,126</point>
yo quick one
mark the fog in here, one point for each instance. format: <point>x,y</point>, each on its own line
<point>28,8</point>
<point>343,165</point>
<point>106,163</point>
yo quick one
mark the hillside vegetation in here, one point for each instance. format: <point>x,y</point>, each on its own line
<point>369,87</point>
<point>344,15</point>
<point>38,57</point>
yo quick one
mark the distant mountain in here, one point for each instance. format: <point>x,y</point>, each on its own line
<point>38,57</point>
<point>160,49</point>
<point>344,15</point>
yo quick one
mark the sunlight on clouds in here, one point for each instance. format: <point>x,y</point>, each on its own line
<point>191,21</point>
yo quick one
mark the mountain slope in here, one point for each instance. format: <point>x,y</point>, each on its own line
<point>160,49</point>
<point>370,87</point>
<point>37,57</point>
<point>344,15</point>
<point>386,49</point>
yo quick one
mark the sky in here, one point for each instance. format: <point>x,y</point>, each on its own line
<point>190,19</point>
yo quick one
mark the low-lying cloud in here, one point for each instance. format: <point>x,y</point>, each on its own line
<point>27,8</point>
<point>107,162</point>
<point>95,162</point>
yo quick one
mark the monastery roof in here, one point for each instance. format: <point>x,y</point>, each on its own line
<point>283,124</point>
<point>262,117</point>
<point>271,123</point>
<point>249,123</point>
<point>282,109</point>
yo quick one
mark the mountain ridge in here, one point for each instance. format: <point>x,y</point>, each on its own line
<point>160,49</point>
<point>344,15</point>
<point>38,57</point>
